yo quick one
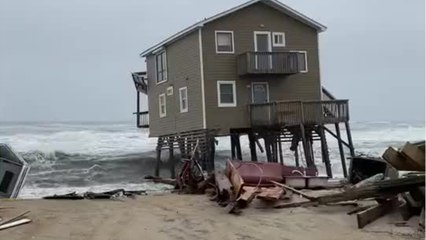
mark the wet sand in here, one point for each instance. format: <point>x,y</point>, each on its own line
<point>172,216</point>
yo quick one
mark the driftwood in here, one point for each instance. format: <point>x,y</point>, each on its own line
<point>14,218</point>
<point>69,196</point>
<point>15,223</point>
<point>294,190</point>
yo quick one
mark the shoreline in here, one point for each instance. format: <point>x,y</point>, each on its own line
<point>174,216</point>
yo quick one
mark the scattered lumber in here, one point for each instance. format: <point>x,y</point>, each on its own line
<point>410,158</point>
<point>373,213</point>
<point>385,188</point>
<point>92,195</point>
<point>68,196</point>
<point>294,190</point>
<point>271,194</point>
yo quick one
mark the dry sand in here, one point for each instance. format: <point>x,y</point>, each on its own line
<point>172,216</point>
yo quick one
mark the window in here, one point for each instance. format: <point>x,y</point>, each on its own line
<point>162,105</point>
<point>183,97</point>
<point>302,61</point>
<point>170,91</point>
<point>226,94</point>
<point>161,66</point>
<point>224,42</point>
<point>278,39</point>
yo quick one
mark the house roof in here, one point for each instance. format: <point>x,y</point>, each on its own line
<point>272,3</point>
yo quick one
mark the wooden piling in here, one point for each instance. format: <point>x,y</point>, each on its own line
<point>238,146</point>
<point>280,149</point>
<point>341,151</point>
<point>307,147</point>
<point>324,152</point>
<point>158,163</point>
<point>252,144</point>
<point>171,158</point>
<point>296,155</point>
<point>138,103</point>
<point>349,134</point>
<point>233,148</point>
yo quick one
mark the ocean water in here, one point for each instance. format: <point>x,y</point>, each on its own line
<point>78,156</point>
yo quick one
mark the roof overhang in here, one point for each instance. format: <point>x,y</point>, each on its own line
<point>272,3</point>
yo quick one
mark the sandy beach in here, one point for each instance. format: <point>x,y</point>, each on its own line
<point>172,216</point>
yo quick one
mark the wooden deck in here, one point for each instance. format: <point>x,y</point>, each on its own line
<point>290,113</point>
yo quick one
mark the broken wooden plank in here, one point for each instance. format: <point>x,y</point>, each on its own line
<point>399,161</point>
<point>305,203</point>
<point>294,190</point>
<point>415,154</point>
<point>14,218</point>
<point>247,195</point>
<point>385,188</point>
<point>359,209</point>
<point>15,223</point>
<point>373,213</point>
<point>271,194</point>
<point>235,178</point>
<point>223,185</point>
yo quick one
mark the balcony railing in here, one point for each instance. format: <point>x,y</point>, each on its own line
<point>289,113</point>
<point>268,63</point>
<point>142,119</point>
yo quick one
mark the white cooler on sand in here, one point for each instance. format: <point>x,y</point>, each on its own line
<point>13,172</point>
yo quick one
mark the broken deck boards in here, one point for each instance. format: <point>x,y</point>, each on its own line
<point>373,213</point>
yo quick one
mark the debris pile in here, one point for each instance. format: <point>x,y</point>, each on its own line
<point>279,186</point>
<point>115,194</point>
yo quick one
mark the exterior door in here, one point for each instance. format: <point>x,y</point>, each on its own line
<point>260,92</point>
<point>262,47</point>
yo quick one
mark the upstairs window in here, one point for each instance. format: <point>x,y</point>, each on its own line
<point>161,66</point>
<point>302,60</point>
<point>278,39</point>
<point>162,105</point>
<point>183,99</point>
<point>226,94</point>
<point>224,42</point>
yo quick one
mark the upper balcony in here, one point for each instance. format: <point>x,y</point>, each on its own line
<point>268,63</point>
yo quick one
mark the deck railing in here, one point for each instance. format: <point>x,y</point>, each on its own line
<point>142,119</point>
<point>267,63</point>
<point>290,113</point>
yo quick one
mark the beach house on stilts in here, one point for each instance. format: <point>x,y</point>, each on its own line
<point>252,71</point>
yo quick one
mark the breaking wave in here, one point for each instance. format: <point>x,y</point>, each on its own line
<point>79,157</point>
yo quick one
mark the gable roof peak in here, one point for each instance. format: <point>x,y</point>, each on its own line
<point>272,3</point>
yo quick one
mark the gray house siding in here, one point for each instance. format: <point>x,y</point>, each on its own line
<point>183,70</point>
<point>257,17</point>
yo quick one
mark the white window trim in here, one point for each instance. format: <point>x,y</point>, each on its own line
<point>278,44</point>
<point>262,33</point>
<point>306,59</point>
<point>232,38</point>
<point>252,90</point>
<point>165,105</point>
<point>234,88</point>
<point>156,70</point>
<point>183,110</point>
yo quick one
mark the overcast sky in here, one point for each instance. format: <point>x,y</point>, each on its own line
<point>71,60</point>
